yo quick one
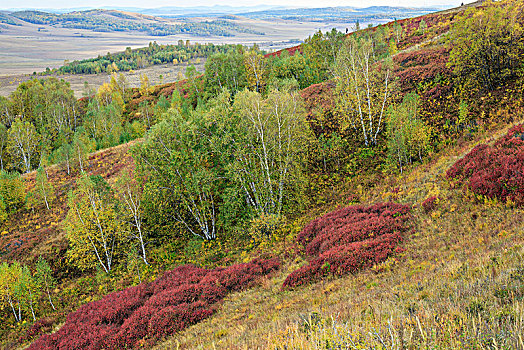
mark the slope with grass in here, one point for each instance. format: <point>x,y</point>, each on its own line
<point>458,284</point>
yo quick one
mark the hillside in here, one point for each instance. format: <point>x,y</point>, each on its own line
<point>264,205</point>
<point>112,20</point>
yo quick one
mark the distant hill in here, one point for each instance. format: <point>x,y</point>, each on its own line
<point>203,11</point>
<point>341,13</point>
<point>100,20</point>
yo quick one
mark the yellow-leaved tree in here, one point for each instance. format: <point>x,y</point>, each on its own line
<point>256,69</point>
<point>9,291</point>
<point>43,192</point>
<point>92,225</point>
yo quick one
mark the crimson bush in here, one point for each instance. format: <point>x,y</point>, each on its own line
<point>495,171</point>
<point>150,311</point>
<point>430,203</point>
<point>349,239</point>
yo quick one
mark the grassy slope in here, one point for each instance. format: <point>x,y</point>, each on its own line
<point>460,254</point>
<point>38,231</point>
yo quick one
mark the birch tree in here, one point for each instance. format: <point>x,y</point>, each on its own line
<point>408,135</point>
<point>256,70</point>
<point>3,144</point>
<point>129,191</point>
<point>92,226</point>
<point>364,86</point>
<point>44,191</point>
<point>9,292</point>
<point>45,279</point>
<point>64,155</point>
<point>81,147</point>
<point>267,147</point>
<point>27,289</point>
<point>176,154</point>
<point>225,70</point>
<point>23,142</point>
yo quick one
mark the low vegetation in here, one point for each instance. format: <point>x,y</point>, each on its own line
<point>140,315</point>
<point>495,171</point>
<point>350,239</point>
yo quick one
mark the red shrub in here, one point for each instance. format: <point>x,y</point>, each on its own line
<point>180,298</point>
<point>349,239</point>
<point>430,204</point>
<point>43,325</point>
<point>495,171</point>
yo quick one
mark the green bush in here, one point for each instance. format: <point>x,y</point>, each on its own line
<point>12,191</point>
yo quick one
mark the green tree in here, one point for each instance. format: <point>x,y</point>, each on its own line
<point>488,44</point>
<point>12,191</point>
<point>60,105</point>
<point>129,191</point>
<point>225,70</point>
<point>9,287</point>
<point>194,81</point>
<point>269,138</point>
<point>44,191</point>
<point>81,147</point>
<point>3,144</point>
<point>63,155</point>
<point>176,156</point>
<point>320,52</point>
<point>422,26</point>
<point>3,211</point>
<point>256,70</point>
<point>45,279</point>
<point>408,135</point>
<point>398,32</point>
<point>27,290</point>
<point>103,120</point>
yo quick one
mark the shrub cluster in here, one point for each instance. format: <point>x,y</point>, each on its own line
<point>495,171</point>
<point>142,314</point>
<point>43,325</point>
<point>430,203</point>
<point>349,239</point>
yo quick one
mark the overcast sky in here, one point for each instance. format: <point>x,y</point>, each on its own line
<point>158,3</point>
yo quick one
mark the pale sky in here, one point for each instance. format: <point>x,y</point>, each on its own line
<point>181,3</point>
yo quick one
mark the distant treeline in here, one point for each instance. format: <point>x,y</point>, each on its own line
<point>142,57</point>
<point>114,21</point>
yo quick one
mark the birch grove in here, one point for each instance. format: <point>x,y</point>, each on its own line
<point>363,79</point>
<point>266,161</point>
<point>23,142</point>
<point>177,155</point>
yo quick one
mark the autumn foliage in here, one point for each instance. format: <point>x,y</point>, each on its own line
<point>495,171</point>
<point>430,203</point>
<point>349,239</point>
<point>140,315</point>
